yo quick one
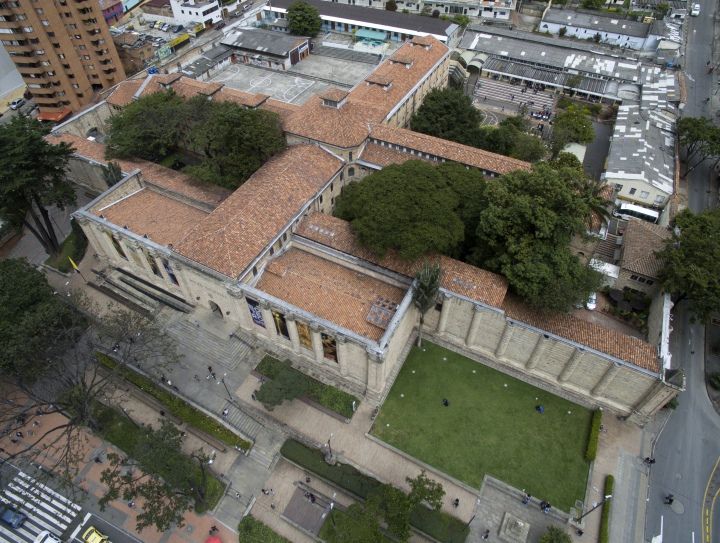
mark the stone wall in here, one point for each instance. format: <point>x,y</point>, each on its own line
<point>625,280</point>
<point>81,124</point>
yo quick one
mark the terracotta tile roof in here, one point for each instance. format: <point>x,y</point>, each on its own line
<point>345,127</point>
<point>331,291</point>
<point>333,93</point>
<point>283,109</point>
<point>242,98</point>
<point>424,40</point>
<point>124,92</point>
<point>605,340</point>
<point>640,242</point>
<point>474,283</point>
<point>448,150</point>
<point>165,220</point>
<point>152,173</point>
<point>235,233</point>
<point>188,87</point>
<point>384,156</point>
<point>378,79</point>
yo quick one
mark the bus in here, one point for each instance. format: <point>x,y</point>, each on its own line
<point>625,210</point>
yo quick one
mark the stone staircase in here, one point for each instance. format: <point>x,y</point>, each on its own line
<point>228,352</point>
<point>608,249</point>
<point>124,293</point>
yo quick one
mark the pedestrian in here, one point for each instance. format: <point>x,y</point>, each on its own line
<point>486,534</point>
<point>485,98</point>
<point>237,495</point>
<point>502,109</point>
<point>307,480</point>
<point>14,440</point>
<point>312,498</point>
<point>579,532</point>
<point>445,402</point>
<point>547,507</point>
<point>649,461</point>
<point>456,502</point>
<point>98,460</point>
<point>265,492</point>
<point>210,369</point>
<point>272,506</point>
<point>131,504</point>
<point>18,434</point>
<point>540,408</point>
<point>669,499</point>
<point>162,413</point>
<point>213,376</point>
<point>225,412</point>
<point>271,492</point>
<point>526,499</point>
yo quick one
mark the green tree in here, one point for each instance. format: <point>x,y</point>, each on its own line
<point>168,481</point>
<point>562,31</point>
<point>427,287</point>
<point>287,385</point>
<point>593,4</point>
<point>408,208</point>
<point>461,20</point>
<point>528,147</point>
<point>358,524</point>
<point>555,535</point>
<point>150,128</point>
<point>524,232</point>
<point>700,141</point>
<point>691,260</point>
<point>662,9</point>
<point>571,125</point>
<point>391,5</point>
<point>448,114</point>
<point>425,490</point>
<point>32,178</point>
<point>112,173</point>
<point>303,19</point>
<point>234,142</point>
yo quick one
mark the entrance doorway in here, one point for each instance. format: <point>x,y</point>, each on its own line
<point>216,309</point>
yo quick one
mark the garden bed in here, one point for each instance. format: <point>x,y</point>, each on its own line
<point>250,529</point>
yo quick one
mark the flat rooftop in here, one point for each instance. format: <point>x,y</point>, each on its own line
<point>596,22</point>
<point>344,296</point>
<point>262,41</point>
<point>162,219</point>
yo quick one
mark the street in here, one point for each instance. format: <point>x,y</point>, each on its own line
<point>688,448</point>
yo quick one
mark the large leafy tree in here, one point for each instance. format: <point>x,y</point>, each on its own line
<point>303,19</point>
<point>358,524</point>
<point>448,114</point>
<point>700,141</point>
<point>235,142</point>
<point>571,126</point>
<point>32,178</point>
<point>150,128</point>
<point>408,208</point>
<point>397,507</point>
<point>524,233</point>
<point>555,535</point>
<point>691,262</point>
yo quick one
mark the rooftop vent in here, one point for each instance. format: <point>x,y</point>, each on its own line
<point>381,312</point>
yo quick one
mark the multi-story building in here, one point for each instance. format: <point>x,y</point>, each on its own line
<point>112,10</point>
<point>190,11</point>
<point>62,49</point>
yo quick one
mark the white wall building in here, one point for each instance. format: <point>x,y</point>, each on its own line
<point>190,11</point>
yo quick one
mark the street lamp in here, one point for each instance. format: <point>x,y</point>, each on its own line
<point>605,498</point>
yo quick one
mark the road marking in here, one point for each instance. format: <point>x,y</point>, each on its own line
<point>80,526</point>
<point>706,520</point>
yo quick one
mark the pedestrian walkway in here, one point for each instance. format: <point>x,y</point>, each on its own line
<point>46,510</point>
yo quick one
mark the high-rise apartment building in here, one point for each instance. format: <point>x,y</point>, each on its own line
<point>62,49</point>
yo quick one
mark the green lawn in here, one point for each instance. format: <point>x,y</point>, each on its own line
<point>490,426</point>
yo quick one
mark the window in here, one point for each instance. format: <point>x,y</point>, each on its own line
<point>644,194</point>
<point>634,277</point>
<point>75,86</point>
<point>280,324</point>
<point>153,264</point>
<point>272,251</point>
<point>350,155</point>
<point>633,191</point>
<point>117,246</point>
<point>351,172</point>
<point>649,282</point>
<point>169,271</point>
<point>438,306</point>
<point>61,56</point>
<point>659,199</point>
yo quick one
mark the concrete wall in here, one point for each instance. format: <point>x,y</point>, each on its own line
<point>640,187</point>
<point>612,38</point>
<point>632,280</point>
<point>87,174</point>
<point>81,124</point>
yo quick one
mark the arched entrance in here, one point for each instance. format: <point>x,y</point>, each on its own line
<point>216,309</point>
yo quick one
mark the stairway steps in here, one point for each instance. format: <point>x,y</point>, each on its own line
<point>228,352</point>
<point>128,294</point>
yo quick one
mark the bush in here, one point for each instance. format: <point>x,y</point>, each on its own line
<point>439,525</point>
<point>328,396</point>
<point>672,404</point>
<point>605,516</point>
<point>592,446</point>
<point>176,405</point>
<point>564,102</point>
<point>555,535</point>
<point>251,529</point>
<point>714,380</point>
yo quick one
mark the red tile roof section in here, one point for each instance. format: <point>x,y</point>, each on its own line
<point>605,340</point>
<point>124,92</point>
<point>384,156</point>
<point>331,291</point>
<point>474,283</point>
<point>233,235</point>
<point>448,150</point>
<point>640,242</point>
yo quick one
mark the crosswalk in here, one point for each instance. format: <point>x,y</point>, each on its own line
<point>45,509</point>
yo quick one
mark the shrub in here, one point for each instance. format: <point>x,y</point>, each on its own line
<point>672,404</point>
<point>605,515</point>
<point>564,102</point>
<point>555,535</point>
<point>592,446</point>
<point>441,526</point>
<point>176,405</point>
<point>328,396</point>
<point>251,529</point>
<point>714,380</point>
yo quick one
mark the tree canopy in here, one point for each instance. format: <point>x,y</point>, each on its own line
<point>427,286</point>
<point>303,19</point>
<point>32,178</point>
<point>555,535</point>
<point>407,208</point>
<point>691,260</point>
<point>222,142</point>
<point>573,125</point>
<point>700,140</point>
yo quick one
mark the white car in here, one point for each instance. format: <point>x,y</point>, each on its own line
<point>46,537</point>
<point>591,302</point>
<point>695,10</point>
<point>17,104</point>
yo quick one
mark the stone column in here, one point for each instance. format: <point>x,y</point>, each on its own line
<point>541,347</point>
<point>239,304</point>
<point>269,321</point>
<point>444,313</point>
<point>292,332</point>
<point>374,369</point>
<point>474,326</point>
<point>317,343</point>
<point>341,345</point>
<point>504,340</point>
<point>605,381</point>
<point>571,365</point>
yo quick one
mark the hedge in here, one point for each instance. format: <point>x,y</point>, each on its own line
<point>251,529</point>
<point>176,405</point>
<point>441,526</point>
<point>592,446</point>
<point>605,516</point>
<point>328,396</point>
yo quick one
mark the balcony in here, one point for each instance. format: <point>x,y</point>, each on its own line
<point>19,48</point>
<point>44,100</point>
<point>47,90</point>
<point>16,26</point>
<point>32,70</point>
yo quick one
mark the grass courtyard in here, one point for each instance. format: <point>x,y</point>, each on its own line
<point>490,426</point>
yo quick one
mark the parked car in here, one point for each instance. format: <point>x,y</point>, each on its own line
<point>165,27</point>
<point>11,517</point>
<point>46,537</point>
<point>247,6</point>
<point>695,10</point>
<point>17,104</point>
<point>174,28</point>
<point>591,302</point>
<point>93,535</point>
<point>220,25</point>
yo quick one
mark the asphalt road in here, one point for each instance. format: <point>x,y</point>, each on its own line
<point>688,448</point>
<point>110,530</point>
